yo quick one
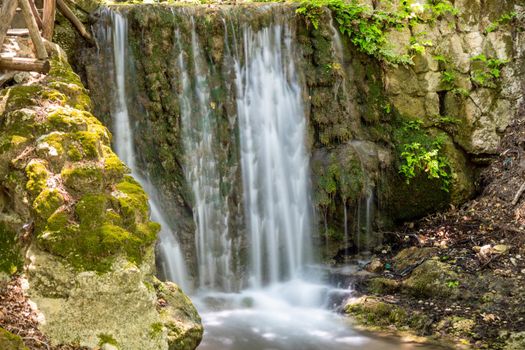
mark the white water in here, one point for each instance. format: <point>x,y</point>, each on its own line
<point>281,309</point>
<point>210,211</point>
<point>273,156</point>
<point>173,260</point>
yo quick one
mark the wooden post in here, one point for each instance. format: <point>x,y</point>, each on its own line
<point>25,64</point>
<point>6,16</point>
<point>36,14</point>
<point>40,49</point>
<point>66,11</point>
<point>48,19</point>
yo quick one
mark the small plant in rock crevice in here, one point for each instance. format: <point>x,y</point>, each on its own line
<point>421,153</point>
<point>488,71</point>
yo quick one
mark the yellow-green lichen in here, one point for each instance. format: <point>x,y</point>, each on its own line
<point>83,177</point>
<point>37,175</point>
<point>90,142</point>
<point>114,168</point>
<point>47,202</point>
<point>133,201</point>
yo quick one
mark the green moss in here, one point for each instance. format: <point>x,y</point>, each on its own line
<point>432,279</point>
<point>83,177</point>
<point>10,256</point>
<point>133,201</point>
<point>22,96</point>
<point>37,175</point>
<point>12,142</point>
<point>373,312</point>
<point>90,142</point>
<point>57,140</point>
<point>99,236</point>
<point>91,210</point>
<point>68,119</point>
<point>47,202</point>
<point>22,122</point>
<point>114,168</point>
<point>9,341</point>
<point>156,330</point>
<point>107,339</point>
<point>53,96</point>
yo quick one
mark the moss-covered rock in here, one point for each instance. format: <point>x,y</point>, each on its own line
<point>9,341</point>
<point>433,279</point>
<point>373,312</point>
<point>179,316</point>
<point>66,195</point>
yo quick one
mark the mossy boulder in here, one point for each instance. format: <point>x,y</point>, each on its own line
<point>381,285</point>
<point>432,279</point>
<point>179,316</point>
<point>373,312</point>
<point>9,341</point>
<point>70,206</point>
<point>411,256</point>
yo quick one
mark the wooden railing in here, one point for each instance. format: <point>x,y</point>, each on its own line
<point>39,29</point>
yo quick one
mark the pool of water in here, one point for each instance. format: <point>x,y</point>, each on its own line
<point>289,316</point>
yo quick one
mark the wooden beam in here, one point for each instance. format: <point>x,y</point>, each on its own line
<point>18,32</point>
<point>66,11</point>
<point>49,19</point>
<point>6,17</point>
<point>25,64</point>
<point>36,14</point>
<point>40,49</point>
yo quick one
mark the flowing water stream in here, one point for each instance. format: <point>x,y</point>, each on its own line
<point>285,303</point>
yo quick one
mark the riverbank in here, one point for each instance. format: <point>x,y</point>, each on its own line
<point>458,276</point>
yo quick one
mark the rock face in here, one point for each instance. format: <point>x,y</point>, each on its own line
<point>453,102</point>
<point>66,195</point>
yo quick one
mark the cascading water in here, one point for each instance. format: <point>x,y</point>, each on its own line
<point>211,213</point>
<point>280,309</point>
<point>273,155</point>
<point>173,260</point>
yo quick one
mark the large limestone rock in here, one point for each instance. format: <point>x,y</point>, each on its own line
<point>90,265</point>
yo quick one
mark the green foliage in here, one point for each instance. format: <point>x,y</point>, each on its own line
<point>440,8</point>
<point>452,284</point>
<point>419,45</point>
<point>417,157</point>
<point>441,59</point>
<point>420,153</point>
<point>488,71</point>
<point>448,79</point>
<point>365,27</point>
<point>504,19</point>
<point>443,120</point>
<point>107,339</point>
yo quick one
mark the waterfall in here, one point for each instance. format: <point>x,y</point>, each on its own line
<point>173,260</point>
<point>210,210</point>
<point>272,240</point>
<point>274,160</point>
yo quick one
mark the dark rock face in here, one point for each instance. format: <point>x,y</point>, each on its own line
<point>359,113</point>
